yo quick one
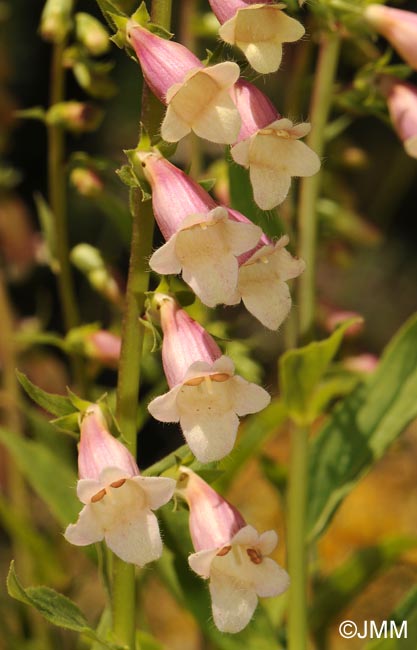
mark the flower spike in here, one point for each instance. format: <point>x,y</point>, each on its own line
<point>118,500</point>
<point>258,29</point>
<point>205,395</point>
<point>231,554</point>
<point>197,98</point>
<point>272,152</point>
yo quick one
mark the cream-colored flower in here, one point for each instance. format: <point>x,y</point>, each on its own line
<point>259,31</point>
<point>273,155</point>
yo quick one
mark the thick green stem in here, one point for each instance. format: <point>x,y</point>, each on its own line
<point>124,587</point>
<point>310,187</point>
<point>297,557</point>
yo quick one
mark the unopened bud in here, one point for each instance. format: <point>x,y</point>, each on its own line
<point>104,347</point>
<point>89,261</point>
<point>92,34</point>
<point>79,117</point>
<point>56,20</point>
<point>86,181</point>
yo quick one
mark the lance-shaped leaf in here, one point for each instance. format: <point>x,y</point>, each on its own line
<point>56,404</point>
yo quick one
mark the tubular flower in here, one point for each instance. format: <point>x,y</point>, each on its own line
<point>203,242</point>
<point>402,106</point>
<point>231,554</point>
<point>197,98</point>
<point>205,395</point>
<point>262,281</point>
<point>258,29</point>
<point>399,27</point>
<point>271,150</point>
<point>118,500</point>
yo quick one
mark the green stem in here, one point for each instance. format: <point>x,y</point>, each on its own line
<point>310,187</point>
<point>297,562</point>
<point>124,587</point>
<point>57,202</point>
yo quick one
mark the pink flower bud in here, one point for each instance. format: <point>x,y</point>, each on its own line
<point>104,347</point>
<point>164,63</point>
<point>362,363</point>
<point>185,341</point>
<point>174,194</point>
<point>399,27</point>
<point>86,181</point>
<point>255,108</point>
<point>213,520</point>
<point>98,449</point>
<point>402,106</point>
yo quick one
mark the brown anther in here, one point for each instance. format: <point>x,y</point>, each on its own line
<point>196,381</point>
<point>98,496</point>
<point>254,555</point>
<point>119,483</point>
<point>223,551</point>
<point>220,376</point>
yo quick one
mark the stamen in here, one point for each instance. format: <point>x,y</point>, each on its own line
<point>223,551</point>
<point>98,496</point>
<point>220,376</point>
<point>119,483</point>
<point>254,555</point>
<point>196,381</point>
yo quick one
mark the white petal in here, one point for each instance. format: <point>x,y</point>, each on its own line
<point>269,578</point>
<point>268,541</point>
<point>220,122</point>
<point>248,397</point>
<point>165,260</point>
<point>240,152</point>
<point>287,266</point>
<point>224,365</point>
<point>87,488</point>
<point>264,57</point>
<point>242,237</point>
<point>210,436</point>
<point>299,159</point>
<point>201,562</point>
<point>247,536</point>
<point>232,603</point>
<point>159,489</point>
<point>136,539</point>
<point>164,408</point>
<point>111,474</point>
<point>224,74</point>
<point>173,127</point>
<point>264,295</point>
<point>270,187</point>
<point>87,530</point>
<point>198,369</point>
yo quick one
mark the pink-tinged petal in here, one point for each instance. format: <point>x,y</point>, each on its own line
<point>233,604</point>
<point>185,341</point>
<point>248,397</point>
<point>87,530</point>
<point>104,347</point>
<point>399,27</point>
<point>200,562</point>
<point>136,539</point>
<point>225,9</point>
<point>402,106</point>
<point>164,408</point>
<point>269,579</point>
<point>268,542</point>
<point>163,62</point>
<point>98,449</point>
<point>213,520</point>
<point>165,260</point>
<point>210,435</point>
<point>255,108</point>
<point>158,489</point>
<point>175,195</point>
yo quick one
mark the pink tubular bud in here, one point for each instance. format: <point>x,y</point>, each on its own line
<point>98,449</point>
<point>399,27</point>
<point>402,106</point>
<point>174,194</point>
<point>104,347</point>
<point>213,520</point>
<point>255,108</point>
<point>164,63</point>
<point>362,363</point>
<point>225,9</point>
<point>185,341</point>
<point>86,181</point>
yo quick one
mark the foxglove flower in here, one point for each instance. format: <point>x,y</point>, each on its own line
<point>262,280</point>
<point>270,147</point>
<point>399,27</point>
<point>402,106</point>
<point>202,240</point>
<point>197,98</point>
<point>205,395</point>
<point>118,500</point>
<point>258,29</point>
<point>231,554</point>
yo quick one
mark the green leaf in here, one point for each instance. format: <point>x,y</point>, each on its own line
<point>36,462</point>
<point>56,404</point>
<point>54,607</point>
<point>406,611</point>
<point>207,183</point>
<point>47,223</point>
<point>342,586</point>
<point>362,427</point>
<point>301,370</point>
